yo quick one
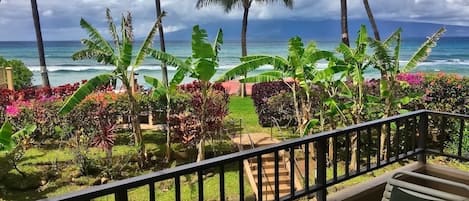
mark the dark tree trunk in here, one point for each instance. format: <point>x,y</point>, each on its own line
<point>164,69</point>
<point>344,22</point>
<point>244,29</point>
<point>372,19</point>
<point>164,72</point>
<point>40,44</point>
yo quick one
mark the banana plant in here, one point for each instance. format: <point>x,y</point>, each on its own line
<point>388,64</point>
<point>357,61</point>
<point>167,91</point>
<point>9,143</point>
<point>202,66</point>
<point>119,54</point>
<point>8,138</point>
<point>300,65</point>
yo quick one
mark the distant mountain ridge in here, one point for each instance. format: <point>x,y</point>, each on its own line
<point>318,30</point>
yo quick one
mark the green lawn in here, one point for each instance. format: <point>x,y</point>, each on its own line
<point>243,108</point>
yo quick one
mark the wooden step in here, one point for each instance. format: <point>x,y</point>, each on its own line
<point>269,164</point>
<point>271,196</point>
<point>265,158</point>
<point>283,189</point>
<point>283,179</point>
<point>270,172</point>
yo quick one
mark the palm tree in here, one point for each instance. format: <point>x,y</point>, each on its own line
<point>164,69</point>
<point>372,19</point>
<point>344,22</point>
<point>164,72</point>
<point>118,54</point>
<point>40,44</point>
<point>246,4</point>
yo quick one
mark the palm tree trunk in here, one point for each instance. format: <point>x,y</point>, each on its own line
<point>344,22</point>
<point>164,69</point>
<point>244,51</point>
<point>164,72</point>
<point>372,19</point>
<point>40,44</point>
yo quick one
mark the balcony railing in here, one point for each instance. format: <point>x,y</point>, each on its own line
<point>411,136</point>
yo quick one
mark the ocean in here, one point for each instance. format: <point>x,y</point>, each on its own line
<point>451,55</point>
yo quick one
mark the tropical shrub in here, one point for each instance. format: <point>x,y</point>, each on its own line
<point>202,66</point>
<point>22,76</point>
<point>184,120</point>
<point>446,93</point>
<point>261,92</point>
<point>281,109</point>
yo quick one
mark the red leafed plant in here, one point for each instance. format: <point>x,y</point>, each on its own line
<point>185,121</point>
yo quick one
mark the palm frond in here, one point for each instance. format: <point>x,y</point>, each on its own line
<point>113,29</point>
<point>200,46</point>
<point>318,55</point>
<point>178,77</point>
<point>249,65</point>
<point>424,50</point>
<point>125,55</point>
<point>393,37</point>
<point>288,3</point>
<point>268,76</point>
<point>381,54</point>
<point>295,51</point>
<point>169,59</point>
<point>204,69</point>
<point>96,37</point>
<point>159,88</point>
<point>147,43</point>
<point>6,141</point>
<point>84,91</point>
<point>397,50</point>
<point>361,42</point>
<point>227,5</point>
<point>346,51</point>
<point>93,54</point>
<point>217,42</point>
<point>24,132</point>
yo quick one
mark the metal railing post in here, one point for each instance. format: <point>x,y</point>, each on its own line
<point>423,132</point>
<point>321,169</point>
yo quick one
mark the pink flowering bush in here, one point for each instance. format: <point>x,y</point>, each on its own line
<point>411,78</point>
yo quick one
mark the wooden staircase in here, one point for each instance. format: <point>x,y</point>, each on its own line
<point>247,141</point>
<point>268,177</point>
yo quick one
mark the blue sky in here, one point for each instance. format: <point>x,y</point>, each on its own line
<point>60,18</point>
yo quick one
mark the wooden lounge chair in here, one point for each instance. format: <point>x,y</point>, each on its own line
<point>399,190</point>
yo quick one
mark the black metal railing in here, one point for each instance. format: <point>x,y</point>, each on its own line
<point>356,150</point>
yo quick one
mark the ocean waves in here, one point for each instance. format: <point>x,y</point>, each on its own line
<point>156,67</point>
<point>91,68</point>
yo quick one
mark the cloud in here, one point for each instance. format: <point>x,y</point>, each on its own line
<point>60,19</point>
<point>48,13</point>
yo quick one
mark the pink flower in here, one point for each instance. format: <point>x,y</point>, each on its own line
<point>12,110</point>
<point>411,78</point>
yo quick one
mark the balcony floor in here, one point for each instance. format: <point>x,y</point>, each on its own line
<point>373,189</point>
